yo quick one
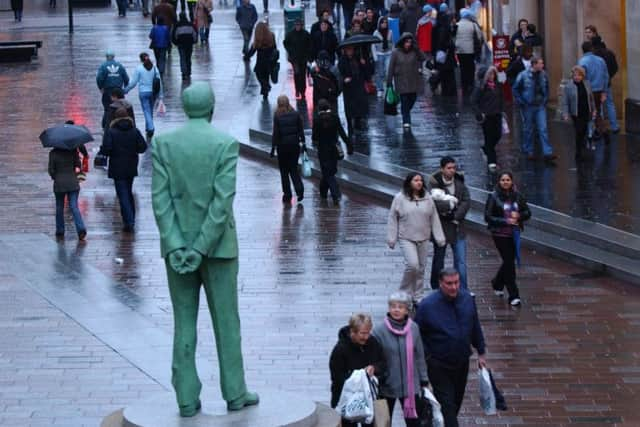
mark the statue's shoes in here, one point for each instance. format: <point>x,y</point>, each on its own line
<point>190,410</point>
<point>248,399</point>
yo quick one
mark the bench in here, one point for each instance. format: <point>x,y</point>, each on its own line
<point>19,51</point>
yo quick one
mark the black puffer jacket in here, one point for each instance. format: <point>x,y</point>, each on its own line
<point>287,130</point>
<point>348,356</point>
<point>122,143</point>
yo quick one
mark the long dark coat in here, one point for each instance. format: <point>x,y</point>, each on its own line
<point>354,95</point>
<point>122,143</point>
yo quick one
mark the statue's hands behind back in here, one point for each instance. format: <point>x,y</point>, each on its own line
<point>185,261</point>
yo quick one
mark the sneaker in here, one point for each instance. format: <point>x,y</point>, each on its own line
<point>380,94</point>
<point>82,235</point>
<point>499,293</point>
<point>300,198</point>
<point>493,167</point>
<point>515,302</point>
<point>406,125</point>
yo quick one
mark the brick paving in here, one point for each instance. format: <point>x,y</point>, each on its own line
<point>570,356</point>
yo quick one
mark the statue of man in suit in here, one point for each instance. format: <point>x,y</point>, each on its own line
<point>193,185</point>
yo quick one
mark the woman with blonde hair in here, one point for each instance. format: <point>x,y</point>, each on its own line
<point>579,105</point>
<point>288,139</point>
<point>264,43</point>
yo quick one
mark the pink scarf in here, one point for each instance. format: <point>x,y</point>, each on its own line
<point>409,404</point>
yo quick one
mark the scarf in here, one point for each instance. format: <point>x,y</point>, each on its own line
<point>409,404</point>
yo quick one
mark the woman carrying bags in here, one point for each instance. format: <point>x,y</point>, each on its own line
<point>413,222</point>
<point>505,212</point>
<point>404,72</point>
<point>401,343</point>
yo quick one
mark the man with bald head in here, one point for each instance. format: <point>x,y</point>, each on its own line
<point>193,186</point>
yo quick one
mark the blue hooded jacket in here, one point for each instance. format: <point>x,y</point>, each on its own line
<point>450,327</point>
<point>597,72</point>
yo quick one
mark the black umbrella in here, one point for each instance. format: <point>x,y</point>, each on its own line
<point>359,40</point>
<point>66,137</point>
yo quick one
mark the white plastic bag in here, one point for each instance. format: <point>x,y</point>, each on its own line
<point>356,400</point>
<point>505,126</point>
<point>161,109</point>
<point>487,398</point>
<point>441,56</point>
<point>436,409</point>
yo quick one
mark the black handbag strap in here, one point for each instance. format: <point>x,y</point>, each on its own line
<point>373,385</point>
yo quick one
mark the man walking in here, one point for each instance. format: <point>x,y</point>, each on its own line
<point>531,92</point>
<point>298,46</point>
<point>246,17</point>
<point>184,36</point>
<point>598,77</point>
<point>449,326</point>
<point>600,49</point>
<point>111,75</point>
<point>451,183</point>
<point>193,186</point>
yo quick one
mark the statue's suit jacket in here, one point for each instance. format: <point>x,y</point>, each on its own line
<point>193,186</point>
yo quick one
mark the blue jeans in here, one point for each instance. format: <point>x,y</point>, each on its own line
<point>147,101</point>
<point>72,196</point>
<point>124,191</point>
<point>204,34</point>
<point>611,110</point>
<point>459,249</point>
<point>382,63</point>
<point>535,116</point>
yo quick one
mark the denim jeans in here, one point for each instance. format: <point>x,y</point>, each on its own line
<point>611,110</point>
<point>124,191</point>
<point>382,63</point>
<point>406,104</point>
<point>185,59</point>
<point>459,249</point>
<point>147,101</point>
<point>535,116</point>
<point>204,34</point>
<point>72,196</point>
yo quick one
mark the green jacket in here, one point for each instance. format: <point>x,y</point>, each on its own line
<point>193,186</point>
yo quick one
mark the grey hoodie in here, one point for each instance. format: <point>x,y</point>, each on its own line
<point>414,220</point>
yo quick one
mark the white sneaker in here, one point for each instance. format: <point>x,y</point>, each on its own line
<point>406,125</point>
<point>515,302</point>
<point>499,293</point>
<point>380,94</point>
<point>493,167</point>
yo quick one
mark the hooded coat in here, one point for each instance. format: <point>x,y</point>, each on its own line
<point>122,143</point>
<point>409,18</point>
<point>62,164</point>
<point>485,100</point>
<point>348,356</point>
<point>404,67</point>
<point>354,95</point>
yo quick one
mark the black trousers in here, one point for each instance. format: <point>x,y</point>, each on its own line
<point>467,71</point>
<point>449,384</point>
<point>506,275</point>
<point>581,126</point>
<point>492,130</point>
<point>328,180</point>
<point>106,101</point>
<point>300,76</point>
<point>288,164</point>
<point>410,422</point>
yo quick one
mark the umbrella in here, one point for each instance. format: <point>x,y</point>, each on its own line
<point>360,39</point>
<point>66,137</point>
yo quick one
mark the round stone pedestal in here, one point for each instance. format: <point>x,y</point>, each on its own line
<point>275,409</point>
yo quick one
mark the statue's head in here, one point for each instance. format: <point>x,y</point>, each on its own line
<point>198,100</point>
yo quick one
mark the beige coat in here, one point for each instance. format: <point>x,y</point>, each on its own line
<point>415,220</point>
<point>201,13</point>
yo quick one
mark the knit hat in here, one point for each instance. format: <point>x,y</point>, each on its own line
<point>444,7</point>
<point>427,9</point>
<point>198,100</point>
<point>109,53</point>
<point>465,13</point>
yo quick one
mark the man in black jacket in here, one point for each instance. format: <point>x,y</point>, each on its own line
<point>600,49</point>
<point>452,216</point>
<point>184,36</point>
<point>298,46</point>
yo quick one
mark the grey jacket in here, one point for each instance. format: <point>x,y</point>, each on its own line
<point>570,101</point>
<point>62,164</point>
<point>395,353</point>
<point>464,36</point>
<point>414,220</point>
<point>404,69</point>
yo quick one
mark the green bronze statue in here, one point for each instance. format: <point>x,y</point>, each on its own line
<point>193,186</point>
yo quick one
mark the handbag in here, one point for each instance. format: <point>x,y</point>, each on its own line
<point>157,84</point>
<point>100,161</point>
<point>275,65</point>
<point>370,87</point>
<point>381,416</point>
<point>306,165</point>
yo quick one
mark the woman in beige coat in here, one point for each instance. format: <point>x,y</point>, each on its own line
<point>204,10</point>
<point>413,221</point>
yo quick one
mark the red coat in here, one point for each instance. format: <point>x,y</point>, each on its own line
<point>423,35</point>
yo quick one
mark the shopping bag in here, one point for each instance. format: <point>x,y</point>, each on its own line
<point>390,109</point>
<point>356,401</point>
<point>501,402</point>
<point>505,126</point>
<point>100,161</point>
<point>391,96</point>
<point>381,416</point>
<point>434,417</point>
<point>487,398</point>
<point>161,109</point>
<point>85,164</point>
<point>306,165</point>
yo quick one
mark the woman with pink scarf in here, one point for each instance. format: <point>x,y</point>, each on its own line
<point>400,339</point>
